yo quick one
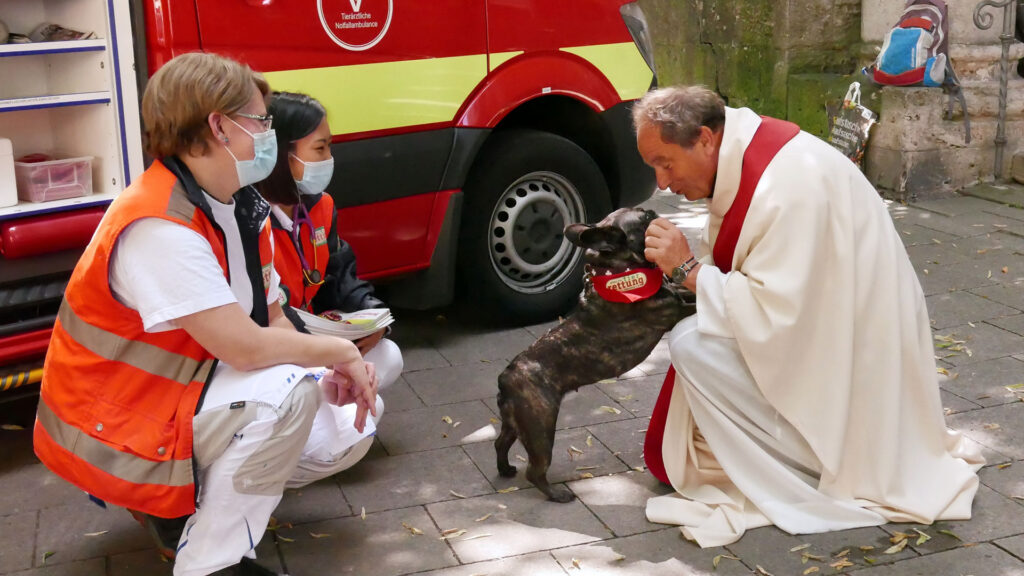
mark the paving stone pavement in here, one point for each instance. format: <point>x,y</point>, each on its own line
<point>402,510</point>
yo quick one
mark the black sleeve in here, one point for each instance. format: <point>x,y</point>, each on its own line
<point>342,289</point>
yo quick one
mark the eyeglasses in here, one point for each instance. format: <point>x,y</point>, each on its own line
<point>300,216</point>
<point>266,121</point>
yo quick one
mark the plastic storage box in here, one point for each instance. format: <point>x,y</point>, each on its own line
<point>54,180</point>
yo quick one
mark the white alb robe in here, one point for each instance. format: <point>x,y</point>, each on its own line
<point>806,393</point>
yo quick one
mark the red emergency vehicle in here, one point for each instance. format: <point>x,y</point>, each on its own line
<point>468,133</point>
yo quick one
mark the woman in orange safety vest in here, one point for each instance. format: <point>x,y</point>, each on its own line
<point>317,267</point>
<point>174,385</point>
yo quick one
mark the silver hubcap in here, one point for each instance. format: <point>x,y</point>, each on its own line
<point>525,237</point>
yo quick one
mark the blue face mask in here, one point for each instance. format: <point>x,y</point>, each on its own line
<point>264,145</point>
<point>315,175</point>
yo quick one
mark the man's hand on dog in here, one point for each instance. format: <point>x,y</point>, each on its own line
<point>666,245</point>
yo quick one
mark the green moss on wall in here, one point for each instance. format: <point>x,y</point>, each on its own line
<point>762,54</point>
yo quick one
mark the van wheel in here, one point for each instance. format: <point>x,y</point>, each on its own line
<point>524,188</point>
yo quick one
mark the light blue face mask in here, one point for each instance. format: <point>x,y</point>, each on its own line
<point>315,175</point>
<point>264,145</point>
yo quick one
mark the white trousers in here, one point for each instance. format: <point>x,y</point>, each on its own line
<point>387,358</point>
<point>255,434</point>
<point>734,461</point>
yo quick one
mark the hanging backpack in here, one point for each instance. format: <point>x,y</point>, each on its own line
<point>916,53</point>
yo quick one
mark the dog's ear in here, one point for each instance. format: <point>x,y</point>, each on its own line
<point>572,232</point>
<point>602,238</point>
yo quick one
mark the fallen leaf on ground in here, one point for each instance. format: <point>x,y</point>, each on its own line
<point>922,538</point>
<point>484,517</point>
<point>47,555</point>
<point>618,558</point>
<point>625,398</point>
<point>638,468</point>
<point>446,419</point>
<point>475,536</point>
<point>412,529</point>
<point>989,274</point>
<point>842,554</point>
<point>11,427</point>
<point>456,494</point>
<point>896,548</point>
<point>840,564</point>
<point>811,570</point>
<point>870,560</point>
<point>456,424</point>
<point>452,533</point>
<point>495,420</point>
<point>991,426</point>
<point>610,410</point>
<point>507,490</point>
<point>606,381</point>
<point>950,533</point>
<point>581,468</point>
<point>1003,466</point>
<point>576,563</point>
<point>866,548</point>
<point>362,513</point>
<point>285,538</point>
<point>717,559</point>
<point>325,535</point>
<point>942,371</point>
<point>808,556</point>
<point>590,440</point>
<point>799,548</point>
<point>586,475</point>
<point>100,533</point>
<point>575,449</point>
<point>898,537</point>
<point>521,458</point>
<point>761,571</point>
<point>1006,269</point>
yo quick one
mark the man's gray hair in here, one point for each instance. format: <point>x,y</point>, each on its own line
<point>679,112</point>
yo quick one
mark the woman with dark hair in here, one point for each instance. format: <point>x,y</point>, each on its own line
<point>317,267</point>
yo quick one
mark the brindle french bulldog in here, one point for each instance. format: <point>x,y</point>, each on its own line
<point>600,339</point>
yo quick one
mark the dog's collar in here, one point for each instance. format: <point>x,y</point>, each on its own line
<point>628,286</point>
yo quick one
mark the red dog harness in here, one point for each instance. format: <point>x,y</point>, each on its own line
<point>629,286</point>
<point>770,137</point>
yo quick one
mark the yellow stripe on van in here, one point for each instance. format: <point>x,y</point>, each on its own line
<point>403,93</point>
<point>387,95</point>
<point>622,64</point>
<point>499,58</point>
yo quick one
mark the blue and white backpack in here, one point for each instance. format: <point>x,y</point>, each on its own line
<point>916,53</point>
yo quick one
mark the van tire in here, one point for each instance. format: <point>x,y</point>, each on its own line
<point>524,188</point>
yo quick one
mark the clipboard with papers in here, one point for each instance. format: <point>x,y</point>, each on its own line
<point>348,325</point>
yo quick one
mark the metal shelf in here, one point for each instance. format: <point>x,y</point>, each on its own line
<point>67,46</point>
<point>53,101</point>
<point>34,208</point>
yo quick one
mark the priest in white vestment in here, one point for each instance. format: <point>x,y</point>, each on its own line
<point>806,391</point>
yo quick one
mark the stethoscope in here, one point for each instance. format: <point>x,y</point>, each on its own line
<point>311,276</point>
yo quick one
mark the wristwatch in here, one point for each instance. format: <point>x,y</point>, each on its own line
<point>679,273</point>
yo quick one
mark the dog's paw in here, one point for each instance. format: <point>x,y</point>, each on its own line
<point>561,494</point>
<point>507,471</point>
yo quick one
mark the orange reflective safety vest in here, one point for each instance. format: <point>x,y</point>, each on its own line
<point>116,403</point>
<point>297,277</point>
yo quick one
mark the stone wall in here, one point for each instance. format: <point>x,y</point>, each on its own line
<point>788,58</point>
<point>779,58</point>
<point>914,151</point>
